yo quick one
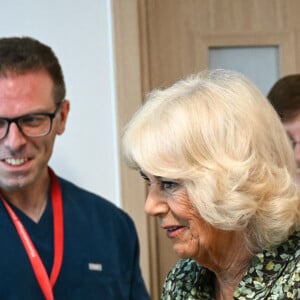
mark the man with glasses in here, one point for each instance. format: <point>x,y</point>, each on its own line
<point>57,240</point>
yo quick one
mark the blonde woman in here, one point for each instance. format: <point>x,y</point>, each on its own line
<point>221,182</point>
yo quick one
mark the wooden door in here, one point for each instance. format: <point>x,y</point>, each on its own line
<point>177,36</point>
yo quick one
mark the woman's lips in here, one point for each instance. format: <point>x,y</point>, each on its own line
<point>174,231</point>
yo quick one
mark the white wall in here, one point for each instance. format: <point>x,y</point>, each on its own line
<point>80,34</point>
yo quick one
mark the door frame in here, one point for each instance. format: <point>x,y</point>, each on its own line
<point>130,84</point>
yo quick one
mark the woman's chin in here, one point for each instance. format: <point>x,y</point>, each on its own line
<point>182,252</point>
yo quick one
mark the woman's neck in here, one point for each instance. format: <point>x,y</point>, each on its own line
<point>229,263</point>
<point>225,284</point>
<point>228,278</point>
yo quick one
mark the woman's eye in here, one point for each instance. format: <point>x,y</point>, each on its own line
<point>169,185</point>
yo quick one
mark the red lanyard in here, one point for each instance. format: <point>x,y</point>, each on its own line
<point>37,264</point>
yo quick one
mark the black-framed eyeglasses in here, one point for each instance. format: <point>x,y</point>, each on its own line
<point>31,125</point>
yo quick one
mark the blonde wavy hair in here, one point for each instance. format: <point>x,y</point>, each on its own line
<point>217,133</point>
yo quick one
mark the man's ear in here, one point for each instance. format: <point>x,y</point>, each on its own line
<point>63,116</point>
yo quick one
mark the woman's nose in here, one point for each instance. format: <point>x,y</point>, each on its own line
<point>155,204</point>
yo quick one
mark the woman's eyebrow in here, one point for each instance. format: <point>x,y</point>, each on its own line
<point>146,177</point>
<point>141,173</point>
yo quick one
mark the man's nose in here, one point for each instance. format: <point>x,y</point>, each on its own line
<point>14,137</point>
<point>155,204</point>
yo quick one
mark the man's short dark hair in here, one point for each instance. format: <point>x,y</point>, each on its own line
<point>20,55</point>
<point>285,95</point>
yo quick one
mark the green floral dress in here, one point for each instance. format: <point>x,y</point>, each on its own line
<point>272,275</point>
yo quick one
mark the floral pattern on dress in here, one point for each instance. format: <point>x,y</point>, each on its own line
<point>272,275</point>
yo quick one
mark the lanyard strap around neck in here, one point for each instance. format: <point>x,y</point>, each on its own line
<point>41,275</point>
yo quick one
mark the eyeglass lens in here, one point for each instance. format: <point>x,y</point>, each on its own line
<point>34,125</point>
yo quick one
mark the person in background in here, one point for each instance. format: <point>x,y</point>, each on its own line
<point>58,241</point>
<point>285,98</point>
<point>221,182</point>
